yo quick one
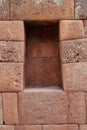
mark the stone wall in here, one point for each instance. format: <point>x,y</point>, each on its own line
<point>43,64</point>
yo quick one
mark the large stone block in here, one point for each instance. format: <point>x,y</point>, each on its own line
<point>6,127</point>
<point>11,77</point>
<point>42,106</point>
<point>76,111</point>
<point>28,127</point>
<point>73,51</point>
<point>42,9</point>
<point>74,76</point>
<point>11,30</point>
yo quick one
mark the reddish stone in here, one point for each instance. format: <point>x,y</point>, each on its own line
<point>4,10</point>
<point>74,76</point>
<point>42,72</point>
<point>11,77</point>
<point>42,106</point>
<point>28,127</point>
<point>1,110</point>
<point>80,9</point>
<point>6,127</point>
<point>85,27</point>
<point>76,110</point>
<point>42,50</point>
<point>11,51</point>
<point>83,127</point>
<point>73,51</point>
<point>11,30</point>
<point>10,108</point>
<point>60,127</point>
<point>42,10</point>
<point>71,29</point>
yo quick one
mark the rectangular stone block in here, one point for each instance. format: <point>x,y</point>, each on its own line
<point>80,9</point>
<point>42,72</point>
<point>42,50</point>
<point>11,30</point>
<point>4,10</point>
<point>42,10</point>
<point>76,109</point>
<point>12,51</point>
<point>74,76</point>
<point>60,127</point>
<point>10,108</point>
<point>71,29</point>
<point>85,27</point>
<point>73,51</point>
<point>28,127</point>
<point>11,77</point>
<point>83,127</point>
<point>1,110</point>
<point>6,127</point>
<point>42,106</point>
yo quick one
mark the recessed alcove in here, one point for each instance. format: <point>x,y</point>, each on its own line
<point>42,67</point>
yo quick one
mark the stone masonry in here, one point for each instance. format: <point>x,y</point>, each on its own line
<point>43,64</point>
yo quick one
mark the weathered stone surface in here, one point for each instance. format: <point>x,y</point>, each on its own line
<point>74,76</point>
<point>42,50</point>
<point>11,51</point>
<point>11,30</point>
<point>76,111</point>
<point>42,106</point>
<point>11,77</point>
<point>60,127</point>
<point>85,27</point>
<point>4,9</point>
<point>28,127</point>
<point>83,127</point>
<point>10,108</point>
<point>80,9</point>
<point>6,127</point>
<point>71,29</point>
<point>73,51</point>
<point>42,9</point>
<point>1,111</point>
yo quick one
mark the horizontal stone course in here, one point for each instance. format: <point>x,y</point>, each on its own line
<point>6,127</point>
<point>28,127</point>
<point>42,10</point>
<point>42,106</point>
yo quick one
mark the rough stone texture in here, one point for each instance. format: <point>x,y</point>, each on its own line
<point>28,127</point>
<point>6,127</point>
<point>42,50</point>
<point>11,51</point>
<point>73,51</point>
<point>71,29</point>
<point>11,30</point>
<point>76,110</point>
<point>10,108</point>
<point>85,27</point>
<point>83,127</point>
<point>4,9</point>
<point>42,9</point>
<point>80,9</point>
<point>74,76</point>
<point>1,111</point>
<point>55,127</point>
<point>11,77</point>
<point>42,106</point>
<point>60,127</point>
<point>42,72</point>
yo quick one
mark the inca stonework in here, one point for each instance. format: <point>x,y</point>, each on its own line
<point>43,64</point>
